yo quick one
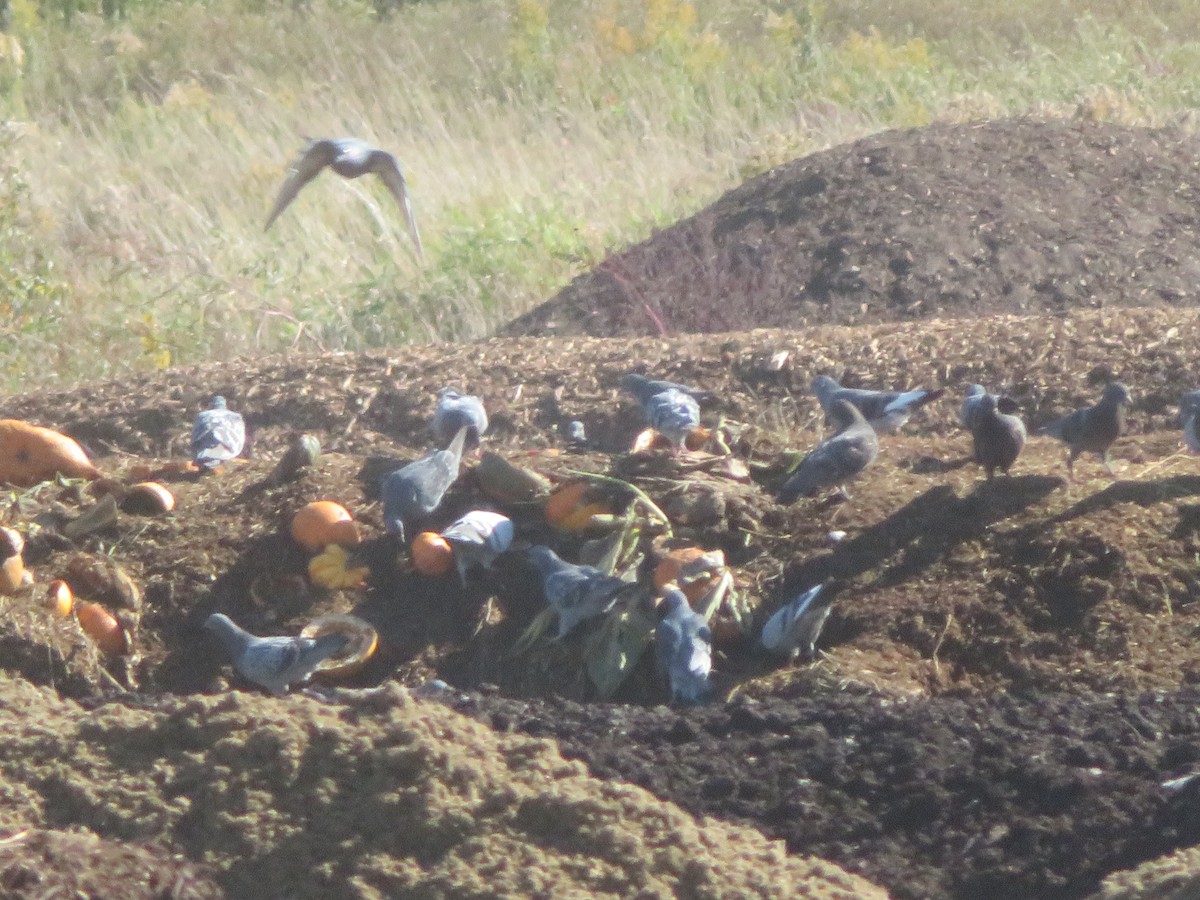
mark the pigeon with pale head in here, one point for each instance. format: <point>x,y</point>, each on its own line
<point>273,662</point>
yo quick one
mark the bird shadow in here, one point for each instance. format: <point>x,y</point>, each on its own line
<point>376,468</point>
<point>1139,493</point>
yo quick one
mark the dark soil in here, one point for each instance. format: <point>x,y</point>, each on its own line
<point>1008,216</point>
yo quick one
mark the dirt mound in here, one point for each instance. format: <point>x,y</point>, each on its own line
<point>377,795</point>
<point>1174,877</point>
<point>1009,216</point>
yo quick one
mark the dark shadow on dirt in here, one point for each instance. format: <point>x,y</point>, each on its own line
<point>1142,493</point>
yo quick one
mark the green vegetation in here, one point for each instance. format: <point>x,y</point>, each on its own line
<point>142,149</point>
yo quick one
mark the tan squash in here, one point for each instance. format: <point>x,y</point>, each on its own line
<point>103,628</point>
<point>30,454</point>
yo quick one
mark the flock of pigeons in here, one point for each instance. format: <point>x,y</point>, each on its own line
<point>412,494</point>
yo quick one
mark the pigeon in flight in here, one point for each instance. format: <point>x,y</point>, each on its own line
<point>836,459</point>
<point>273,662</point>
<point>412,493</point>
<point>576,593</point>
<point>477,539</point>
<point>1092,429</point>
<point>683,646</point>
<point>455,411</point>
<point>670,409</point>
<point>998,437</point>
<point>218,435</point>
<point>1189,409</point>
<point>885,410</point>
<point>350,158</point>
<point>794,628</point>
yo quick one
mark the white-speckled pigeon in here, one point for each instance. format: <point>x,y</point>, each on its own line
<point>478,538</point>
<point>455,411</point>
<point>885,410</point>
<point>670,409</point>
<point>836,459</point>
<point>576,593</point>
<point>796,626</point>
<point>350,158</point>
<point>412,493</point>
<point>273,662</point>
<point>1189,418</point>
<point>683,647</point>
<point>1092,429</point>
<point>218,435</point>
<point>998,438</point>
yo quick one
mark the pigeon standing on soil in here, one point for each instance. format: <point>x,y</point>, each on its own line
<point>974,400</point>
<point>1189,410</point>
<point>998,437</point>
<point>670,409</point>
<point>273,662</point>
<point>478,538</point>
<point>795,627</point>
<point>412,493</point>
<point>576,593</point>
<point>1092,429</point>
<point>885,410</point>
<point>218,435</point>
<point>683,647</point>
<point>350,158</point>
<point>837,459</point>
<point>455,411</point>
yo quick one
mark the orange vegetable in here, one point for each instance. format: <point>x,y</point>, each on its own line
<point>148,498</point>
<point>324,522</point>
<point>692,568</point>
<point>103,628</point>
<point>30,454</point>
<point>13,575</point>
<point>432,554</point>
<point>565,500</point>
<point>59,599</point>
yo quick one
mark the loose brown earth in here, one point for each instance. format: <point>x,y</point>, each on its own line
<point>1008,674</point>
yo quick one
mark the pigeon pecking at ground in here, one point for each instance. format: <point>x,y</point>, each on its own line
<point>1092,429</point>
<point>795,627</point>
<point>1189,410</point>
<point>836,459</point>
<point>683,647</point>
<point>412,493</point>
<point>670,409</point>
<point>350,158</point>
<point>576,593</point>
<point>885,410</point>
<point>478,537</point>
<point>455,411</point>
<point>998,438</point>
<point>273,662</point>
<point>218,435</point>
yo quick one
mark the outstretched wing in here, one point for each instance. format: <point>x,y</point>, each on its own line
<point>385,166</point>
<point>315,156</point>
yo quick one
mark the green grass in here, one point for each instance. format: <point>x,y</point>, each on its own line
<point>142,154</point>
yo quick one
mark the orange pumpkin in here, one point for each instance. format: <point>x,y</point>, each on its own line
<point>30,454</point>
<point>323,522</point>
<point>432,554</point>
<point>692,568</point>
<point>572,506</point>
<point>103,628</point>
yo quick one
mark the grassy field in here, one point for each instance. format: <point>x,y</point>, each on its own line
<point>140,154</point>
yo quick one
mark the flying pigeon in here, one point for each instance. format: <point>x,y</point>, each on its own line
<point>455,411</point>
<point>1189,409</point>
<point>576,593</point>
<point>644,388</point>
<point>412,493</point>
<point>836,459</point>
<point>794,628</point>
<point>273,662</point>
<point>885,410</point>
<point>350,158</point>
<point>998,437</point>
<point>478,538</point>
<point>1092,428</point>
<point>218,435</point>
<point>683,646</point>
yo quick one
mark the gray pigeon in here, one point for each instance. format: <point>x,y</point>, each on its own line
<point>412,493</point>
<point>218,435</point>
<point>683,646</point>
<point>455,411</point>
<point>973,399</point>
<point>1189,409</point>
<point>836,459</point>
<point>998,438</point>
<point>1092,429</point>
<point>273,662</point>
<point>885,410</point>
<point>576,593</point>
<point>350,158</point>
<point>477,538</point>
<point>670,409</point>
<point>794,628</point>
<point>644,388</point>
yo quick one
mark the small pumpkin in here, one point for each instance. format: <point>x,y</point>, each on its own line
<point>30,454</point>
<point>59,599</point>
<point>432,554</point>
<point>361,646</point>
<point>692,568</point>
<point>103,628</point>
<point>323,522</point>
<point>331,569</point>
<point>565,500</point>
<point>572,506</point>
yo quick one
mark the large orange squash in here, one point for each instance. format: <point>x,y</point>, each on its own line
<point>30,454</point>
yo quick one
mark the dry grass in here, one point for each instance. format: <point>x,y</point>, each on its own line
<point>139,160</point>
